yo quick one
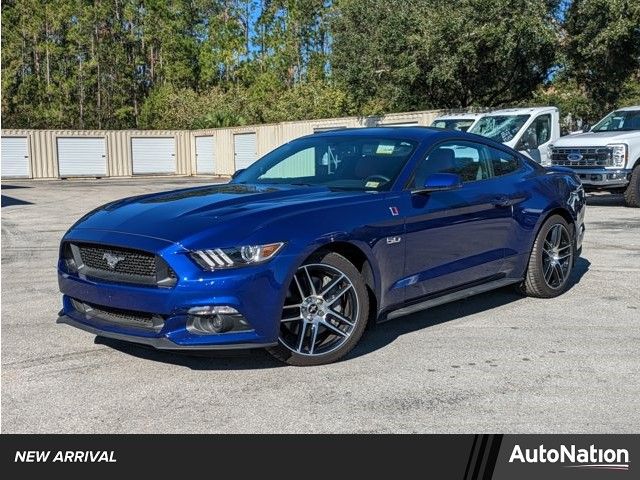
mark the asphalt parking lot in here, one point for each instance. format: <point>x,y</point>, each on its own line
<point>493,363</point>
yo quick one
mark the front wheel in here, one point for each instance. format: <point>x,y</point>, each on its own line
<point>324,314</point>
<point>551,260</point>
<point>632,193</point>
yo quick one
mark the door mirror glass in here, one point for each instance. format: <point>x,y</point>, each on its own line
<point>437,182</point>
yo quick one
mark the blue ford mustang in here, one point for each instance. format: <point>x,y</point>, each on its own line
<point>319,237</point>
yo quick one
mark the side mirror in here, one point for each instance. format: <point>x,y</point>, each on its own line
<point>237,172</point>
<point>439,182</point>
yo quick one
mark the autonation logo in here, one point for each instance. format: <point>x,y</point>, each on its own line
<point>574,457</point>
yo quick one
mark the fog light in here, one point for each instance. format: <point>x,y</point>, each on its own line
<point>216,319</point>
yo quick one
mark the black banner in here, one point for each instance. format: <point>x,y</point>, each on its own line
<point>465,457</point>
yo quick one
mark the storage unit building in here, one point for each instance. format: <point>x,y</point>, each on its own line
<point>15,157</point>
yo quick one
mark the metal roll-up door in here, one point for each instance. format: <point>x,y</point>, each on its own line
<point>82,157</point>
<point>244,147</point>
<point>205,155</point>
<point>15,157</point>
<point>153,155</point>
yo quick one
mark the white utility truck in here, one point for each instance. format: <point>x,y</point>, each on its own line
<point>528,130</point>
<point>607,157</point>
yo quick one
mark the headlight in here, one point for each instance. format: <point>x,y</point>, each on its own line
<point>217,258</point>
<point>619,154</point>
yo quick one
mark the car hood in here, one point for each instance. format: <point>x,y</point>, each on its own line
<point>594,139</point>
<point>231,211</point>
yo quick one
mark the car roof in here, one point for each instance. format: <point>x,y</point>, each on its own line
<point>419,134</point>
<point>404,133</point>
<point>520,111</point>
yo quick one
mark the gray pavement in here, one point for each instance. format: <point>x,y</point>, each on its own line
<point>493,363</point>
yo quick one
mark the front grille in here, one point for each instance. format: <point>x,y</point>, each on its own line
<point>117,316</point>
<point>127,262</point>
<point>592,157</point>
<point>119,264</point>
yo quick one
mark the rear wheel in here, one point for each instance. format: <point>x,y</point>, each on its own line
<point>324,314</point>
<point>632,193</point>
<point>551,260</point>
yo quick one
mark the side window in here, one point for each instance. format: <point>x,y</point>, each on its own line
<point>538,133</point>
<point>471,161</point>
<point>502,163</point>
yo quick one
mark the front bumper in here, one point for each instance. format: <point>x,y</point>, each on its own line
<point>603,177</point>
<point>257,293</point>
<point>160,343</point>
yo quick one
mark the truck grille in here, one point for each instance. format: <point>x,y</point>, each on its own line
<point>117,316</point>
<point>584,157</point>
<point>118,264</point>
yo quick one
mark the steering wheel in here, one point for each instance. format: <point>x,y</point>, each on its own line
<point>377,177</point>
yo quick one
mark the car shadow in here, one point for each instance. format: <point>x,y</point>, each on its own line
<point>605,199</point>
<point>375,338</point>
<point>7,201</point>
<point>383,334</point>
<point>11,187</point>
<point>252,359</point>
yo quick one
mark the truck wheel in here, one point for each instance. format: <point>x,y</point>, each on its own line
<point>632,193</point>
<point>551,260</point>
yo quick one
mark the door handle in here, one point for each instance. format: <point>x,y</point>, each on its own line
<point>502,201</point>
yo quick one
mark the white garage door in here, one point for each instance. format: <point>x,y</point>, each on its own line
<point>15,157</point>
<point>244,147</point>
<point>205,155</point>
<point>153,155</point>
<point>82,156</point>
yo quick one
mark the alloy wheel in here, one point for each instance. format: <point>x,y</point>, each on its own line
<point>320,311</point>
<point>557,256</point>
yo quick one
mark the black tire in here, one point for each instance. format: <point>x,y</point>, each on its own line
<point>536,283</point>
<point>334,260</point>
<point>632,193</point>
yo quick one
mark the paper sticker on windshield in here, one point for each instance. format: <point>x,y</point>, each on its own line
<point>385,149</point>
<point>372,184</point>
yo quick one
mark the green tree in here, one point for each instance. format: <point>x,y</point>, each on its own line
<point>603,49</point>
<point>431,54</point>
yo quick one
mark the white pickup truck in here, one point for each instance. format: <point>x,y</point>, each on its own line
<point>606,157</point>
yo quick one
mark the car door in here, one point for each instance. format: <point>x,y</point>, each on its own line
<point>458,237</point>
<point>537,138</point>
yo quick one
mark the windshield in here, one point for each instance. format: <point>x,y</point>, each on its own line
<point>458,124</point>
<point>340,162</point>
<point>501,128</point>
<point>620,121</point>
